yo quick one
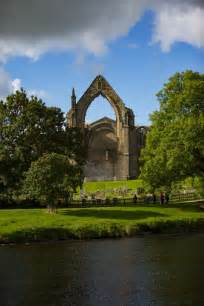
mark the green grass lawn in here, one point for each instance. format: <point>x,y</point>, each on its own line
<point>110,185</point>
<point>26,225</point>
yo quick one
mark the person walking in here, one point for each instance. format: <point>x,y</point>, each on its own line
<point>162,198</point>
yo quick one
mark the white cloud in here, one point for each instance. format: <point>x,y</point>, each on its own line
<point>182,23</point>
<point>8,86</point>
<point>5,84</point>
<point>31,28</point>
<point>16,85</point>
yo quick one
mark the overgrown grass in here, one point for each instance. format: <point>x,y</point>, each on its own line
<point>110,185</point>
<point>26,225</point>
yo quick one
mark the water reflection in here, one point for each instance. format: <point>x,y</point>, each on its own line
<point>154,270</point>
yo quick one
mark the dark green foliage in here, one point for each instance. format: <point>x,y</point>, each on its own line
<point>52,177</point>
<point>28,129</point>
<point>175,143</point>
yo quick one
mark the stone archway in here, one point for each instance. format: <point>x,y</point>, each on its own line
<point>110,145</point>
<point>98,87</point>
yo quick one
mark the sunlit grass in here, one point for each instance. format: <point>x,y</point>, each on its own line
<point>25,225</point>
<point>110,185</point>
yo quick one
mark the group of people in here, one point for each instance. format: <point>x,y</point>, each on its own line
<point>153,198</point>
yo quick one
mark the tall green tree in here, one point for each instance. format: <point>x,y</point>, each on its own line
<point>52,177</point>
<point>28,129</point>
<point>175,143</point>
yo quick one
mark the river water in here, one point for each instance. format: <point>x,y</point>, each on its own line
<point>147,271</point>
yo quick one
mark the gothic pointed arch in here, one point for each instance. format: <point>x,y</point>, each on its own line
<point>113,146</point>
<point>99,86</point>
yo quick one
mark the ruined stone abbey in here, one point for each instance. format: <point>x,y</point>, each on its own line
<point>113,147</point>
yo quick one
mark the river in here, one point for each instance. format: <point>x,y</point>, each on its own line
<point>163,270</point>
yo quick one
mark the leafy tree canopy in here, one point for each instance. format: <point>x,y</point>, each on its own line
<point>29,129</point>
<point>51,177</point>
<point>175,143</point>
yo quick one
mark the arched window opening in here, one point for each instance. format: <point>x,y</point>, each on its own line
<point>99,109</point>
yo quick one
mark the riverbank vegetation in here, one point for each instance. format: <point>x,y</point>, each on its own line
<point>28,225</point>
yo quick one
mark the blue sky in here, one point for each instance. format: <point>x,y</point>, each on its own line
<point>134,64</point>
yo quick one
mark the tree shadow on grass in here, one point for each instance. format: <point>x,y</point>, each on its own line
<point>187,206</point>
<point>114,214</point>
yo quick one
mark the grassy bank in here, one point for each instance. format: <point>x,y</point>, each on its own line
<point>37,225</point>
<point>110,185</point>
